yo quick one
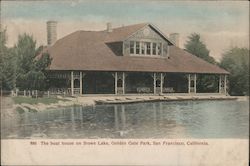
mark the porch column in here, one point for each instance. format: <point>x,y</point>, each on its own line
<point>225,84</point>
<point>80,83</point>
<point>192,87</point>
<point>116,83</point>
<point>123,83</point>
<point>188,83</point>
<point>220,84</point>
<point>154,77</point>
<point>195,78</point>
<point>161,83</point>
<point>72,83</point>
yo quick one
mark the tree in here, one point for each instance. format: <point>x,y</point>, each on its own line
<point>32,80</point>
<point>236,61</point>
<point>24,65</point>
<point>7,63</point>
<point>26,53</point>
<point>205,83</point>
<point>43,62</point>
<point>196,47</point>
<point>31,63</point>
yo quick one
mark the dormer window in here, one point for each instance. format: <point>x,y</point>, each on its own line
<point>148,46</point>
<point>145,48</point>
<point>132,47</point>
<point>158,49</point>
<point>154,48</point>
<point>137,47</point>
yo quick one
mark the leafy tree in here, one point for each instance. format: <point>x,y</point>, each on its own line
<point>205,83</point>
<point>43,62</point>
<point>31,63</point>
<point>236,61</point>
<point>7,63</point>
<point>196,47</point>
<point>24,65</point>
<point>26,53</point>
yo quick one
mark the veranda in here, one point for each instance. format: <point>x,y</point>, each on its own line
<point>76,83</point>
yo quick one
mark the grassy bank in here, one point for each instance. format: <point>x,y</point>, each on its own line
<point>28,100</point>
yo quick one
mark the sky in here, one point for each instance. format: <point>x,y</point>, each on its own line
<point>221,24</point>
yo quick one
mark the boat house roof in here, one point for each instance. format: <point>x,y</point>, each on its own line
<point>98,51</point>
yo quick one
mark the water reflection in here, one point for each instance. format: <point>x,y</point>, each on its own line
<point>191,119</point>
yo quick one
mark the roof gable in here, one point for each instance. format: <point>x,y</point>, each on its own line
<point>121,33</point>
<point>88,50</point>
<point>149,31</point>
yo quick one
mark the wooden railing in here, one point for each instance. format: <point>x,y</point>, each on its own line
<point>37,93</point>
<point>143,90</point>
<point>168,90</point>
<point>76,91</point>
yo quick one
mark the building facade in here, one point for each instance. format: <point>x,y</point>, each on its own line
<point>135,59</point>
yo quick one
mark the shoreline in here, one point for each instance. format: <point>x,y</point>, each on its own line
<point>139,99</point>
<point>102,100</point>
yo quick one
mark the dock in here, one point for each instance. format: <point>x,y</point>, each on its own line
<point>141,99</point>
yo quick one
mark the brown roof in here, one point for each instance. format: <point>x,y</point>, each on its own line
<point>90,51</point>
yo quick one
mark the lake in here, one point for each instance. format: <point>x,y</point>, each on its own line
<point>183,119</point>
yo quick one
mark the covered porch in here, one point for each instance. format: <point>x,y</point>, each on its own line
<point>153,83</point>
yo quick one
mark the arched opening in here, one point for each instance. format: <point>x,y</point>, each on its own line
<point>175,83</point>
<point>158,83</point>
<point>207,83</point>
<point>139,83</point>
<point>76,83</point>
<point>119,83</point>
<point>98,83</point>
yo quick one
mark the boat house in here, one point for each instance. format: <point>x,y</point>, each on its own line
<point>134,59</point>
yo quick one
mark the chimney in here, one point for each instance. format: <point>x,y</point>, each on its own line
<point>51,32</point>
<point>174,37</point>
<point>109,27</point>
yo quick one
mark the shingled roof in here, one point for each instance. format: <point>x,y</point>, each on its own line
<point>89,51</point>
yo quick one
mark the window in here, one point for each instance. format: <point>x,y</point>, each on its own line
<point>137,48</point>
<point>154,48</point>
<point>148,45</point>
<point>132,47</point>
<point>158,49</point>
<point>145,48</point>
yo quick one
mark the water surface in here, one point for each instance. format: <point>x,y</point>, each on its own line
<point>185,119</point>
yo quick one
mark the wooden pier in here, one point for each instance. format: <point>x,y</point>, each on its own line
<point>140,99</point>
